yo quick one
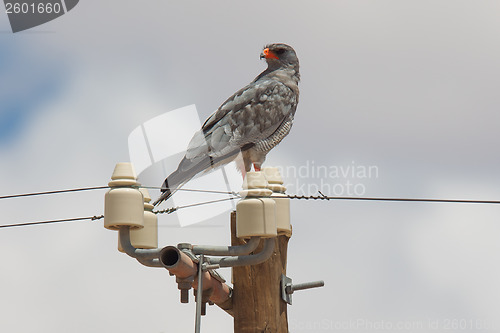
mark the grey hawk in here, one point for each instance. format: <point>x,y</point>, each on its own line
<point>251,122</point>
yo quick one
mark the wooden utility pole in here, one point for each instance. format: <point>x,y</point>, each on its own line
<point>257,303</point>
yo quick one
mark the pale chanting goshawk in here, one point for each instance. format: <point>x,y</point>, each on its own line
<point>251,122</point>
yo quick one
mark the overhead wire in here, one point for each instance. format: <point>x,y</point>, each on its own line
<point>324,197</point>
<point>53,192</point>
<point>234,197</point>
<point>93,218</point>
<point>10,196</point>
<point>173,209</point>
<point>191,190</point>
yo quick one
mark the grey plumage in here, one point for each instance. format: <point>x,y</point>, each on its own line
<point>252,121</point>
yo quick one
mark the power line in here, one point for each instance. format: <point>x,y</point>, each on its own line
<point>302,197</point>
<point>173,209</point>
<point>324,197</point>
<point>105,187</point>
<point>53,192</point>
<point>93,218</point>
<point>235,196</point>
<point>191,190</point>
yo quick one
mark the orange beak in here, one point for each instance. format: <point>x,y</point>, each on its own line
<point>268,54</point>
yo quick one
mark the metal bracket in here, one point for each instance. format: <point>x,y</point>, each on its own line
<point>199,296</point>
<point>287,288</point>
<point>286,281</point>
<point>186,248</point>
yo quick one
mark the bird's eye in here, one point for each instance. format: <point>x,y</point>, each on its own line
<point>280,51</point>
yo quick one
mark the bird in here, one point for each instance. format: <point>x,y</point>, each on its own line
<point>252,122</point>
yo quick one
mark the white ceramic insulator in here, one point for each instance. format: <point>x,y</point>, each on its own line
<point>275,181</point>
<point>123,203</point>
<point>256,212</point>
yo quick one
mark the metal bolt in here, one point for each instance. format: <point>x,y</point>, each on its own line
<point>203,308</point>
<point>287,288</point>
<point>290,288</point>
<point>184,296</point>
<point>184,284</point>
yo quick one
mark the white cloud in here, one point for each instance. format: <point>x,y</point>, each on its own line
<point>381,86</point>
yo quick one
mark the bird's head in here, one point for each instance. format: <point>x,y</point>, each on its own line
<point>280,55</point>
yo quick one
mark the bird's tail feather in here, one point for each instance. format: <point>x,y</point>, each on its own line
<point>172,183</point>
<point>168,191</point>
<point>186,171</point>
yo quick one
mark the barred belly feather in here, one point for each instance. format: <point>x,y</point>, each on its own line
<point>271,142</point>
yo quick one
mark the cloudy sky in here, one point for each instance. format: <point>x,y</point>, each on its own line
<point>406,88</point>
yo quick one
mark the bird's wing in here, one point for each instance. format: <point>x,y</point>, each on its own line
<point>252,114</point>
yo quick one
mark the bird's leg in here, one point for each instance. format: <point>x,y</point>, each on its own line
<point>241,165</point>
<point>256,167</point>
